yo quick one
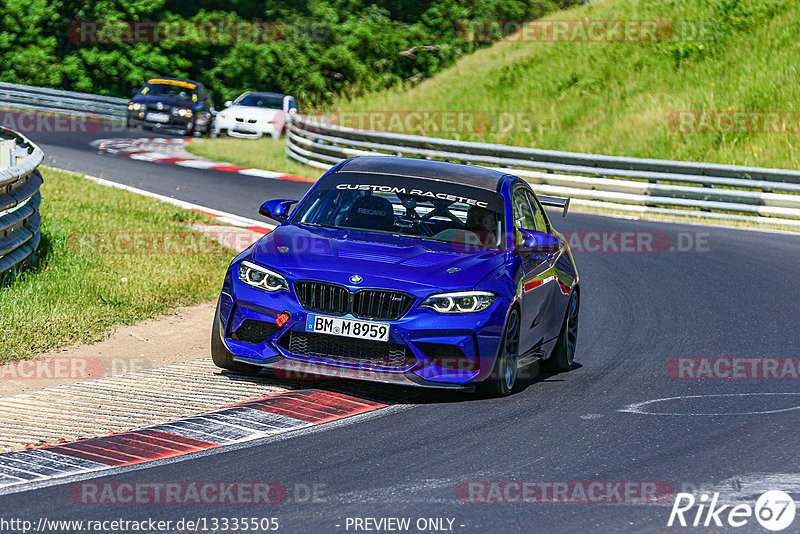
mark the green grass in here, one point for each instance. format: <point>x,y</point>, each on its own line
<point>265,153</point>
<point>74,295</point>
<point>617,98</point>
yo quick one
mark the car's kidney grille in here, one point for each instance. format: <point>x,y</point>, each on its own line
<point>347,350</point>
<point>377,304</point>
<point>365,303</point>
<point>323,298</point>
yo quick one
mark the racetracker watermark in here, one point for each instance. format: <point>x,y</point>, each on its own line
<point>119,525</point>
<point>31,122</point>
<point>585,31</point>
<point>70,368</point>
<point>222,241</point>
<point>734,368</point>
<point>297,370</point>
<point>730,121</point>
<point>565,492</point>
<point>160,493</point>
<point>425,122</point>
<point>175,32</point>
<point>196,492</point>
<point>635,242</point>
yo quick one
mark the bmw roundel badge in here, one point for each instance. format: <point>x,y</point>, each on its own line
<point>356,279</point>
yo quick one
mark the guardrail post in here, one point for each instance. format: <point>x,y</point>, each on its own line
<point>18,153</point>
<point>6,149</point>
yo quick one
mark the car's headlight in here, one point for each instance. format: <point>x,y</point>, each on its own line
<point>183,112</point>
<point>134,106</point>
<point>225,116</point>
<point>261,277</point>
<point>267,121</point>
<point>459,302</point>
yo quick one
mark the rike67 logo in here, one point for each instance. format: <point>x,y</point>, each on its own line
<point>774,510</point>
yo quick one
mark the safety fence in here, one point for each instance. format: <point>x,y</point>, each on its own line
<point>41,99</point>
<point>638,185</point>
<point>20,180</point>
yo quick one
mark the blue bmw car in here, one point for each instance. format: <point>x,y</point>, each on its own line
<point>404,271</point>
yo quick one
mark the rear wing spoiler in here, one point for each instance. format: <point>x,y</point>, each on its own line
<point>555,202</point>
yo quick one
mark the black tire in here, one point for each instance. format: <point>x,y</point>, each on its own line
<point>504,375</point>
<point>223,358</point>
<point>564,352</point>
<point>189,130</point>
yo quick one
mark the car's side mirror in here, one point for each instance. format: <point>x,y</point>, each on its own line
<point>228,103</point>
<point>534,242</point>
<point>277,209</point>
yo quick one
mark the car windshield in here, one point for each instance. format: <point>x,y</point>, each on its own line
<point>256,101</point>
<point>169,90</point>
<point>410,207</point>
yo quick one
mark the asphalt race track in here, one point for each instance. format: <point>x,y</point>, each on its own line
<point>231,192</point>
<point>734,295</point>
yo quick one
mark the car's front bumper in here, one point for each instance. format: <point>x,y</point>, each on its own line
<point>245,130</point>
<point>440,350</point>
<point>175,122</point>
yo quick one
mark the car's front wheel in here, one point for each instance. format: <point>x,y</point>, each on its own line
<point>564,351</point>
<point>223,358</point>
<point>504,375</point>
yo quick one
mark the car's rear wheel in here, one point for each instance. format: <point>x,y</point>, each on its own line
<point>223,358</point>
<point>564,351</point>
<point>504,375</point>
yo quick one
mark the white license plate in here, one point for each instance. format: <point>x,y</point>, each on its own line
<point>157,117</point>
<point>243,129</point>
<point>338,326</point>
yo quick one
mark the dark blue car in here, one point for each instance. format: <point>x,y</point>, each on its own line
<point>174,104</point>
<point>404,271</point>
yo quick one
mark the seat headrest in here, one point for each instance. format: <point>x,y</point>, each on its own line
<point>371,212</point>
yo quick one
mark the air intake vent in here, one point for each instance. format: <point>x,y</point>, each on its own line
<point>251,331</point>
<point>347,350</point>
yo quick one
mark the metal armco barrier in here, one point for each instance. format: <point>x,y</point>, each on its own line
<point>30,98</point>
<point>705,190</point>
<point>19,200</point>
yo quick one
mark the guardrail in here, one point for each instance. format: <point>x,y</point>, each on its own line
<point>19,201</point>
<point>30,98</point>
<point>704,190</point>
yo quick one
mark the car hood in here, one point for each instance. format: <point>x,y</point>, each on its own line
<point>166,100</point>
<point>382,261</point>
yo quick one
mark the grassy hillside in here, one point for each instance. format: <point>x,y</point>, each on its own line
<point>617,98</point>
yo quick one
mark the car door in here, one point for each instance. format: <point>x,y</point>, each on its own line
<point>554,314</point>
<point>536,285</point>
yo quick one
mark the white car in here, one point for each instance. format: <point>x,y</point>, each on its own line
<point>255,114</point>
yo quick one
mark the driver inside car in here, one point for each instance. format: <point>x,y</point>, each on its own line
<point>482,222</point>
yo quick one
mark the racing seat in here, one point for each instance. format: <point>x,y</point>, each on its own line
<point>371,213</point>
